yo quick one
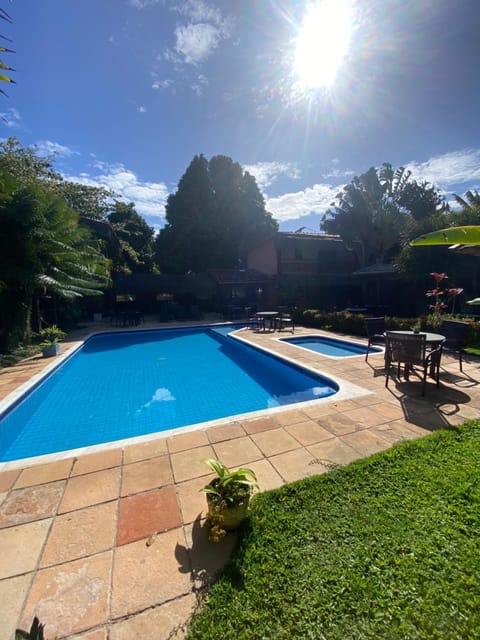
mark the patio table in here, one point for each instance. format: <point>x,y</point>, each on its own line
<point>267,316</point>
<point>432,340</point>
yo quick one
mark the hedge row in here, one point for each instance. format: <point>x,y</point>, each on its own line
<point>353,323</point>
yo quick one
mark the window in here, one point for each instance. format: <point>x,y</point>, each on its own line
<point>238,292</point>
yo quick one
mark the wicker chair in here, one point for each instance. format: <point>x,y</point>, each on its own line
<point>375,329</point>
<point>411,350</point>
<point>455,333</point>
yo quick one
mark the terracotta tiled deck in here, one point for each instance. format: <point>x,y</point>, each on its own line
<point>112,544</point>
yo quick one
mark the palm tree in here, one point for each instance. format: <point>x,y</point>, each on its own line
<point>3,66</point>
<point>471,200</point>
<point>42,249</point>
<point>367,217</point>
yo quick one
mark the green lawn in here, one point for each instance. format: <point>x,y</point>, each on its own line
<point>388,547</point>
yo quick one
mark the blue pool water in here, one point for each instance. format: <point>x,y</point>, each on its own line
<point>332,347</point>
<point>122,385</point>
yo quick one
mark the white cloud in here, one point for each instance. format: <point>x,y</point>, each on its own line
<point>141,4</point>
<point>338,173</point>
<point>316,199</point>
<point>11,118</point>
<point>142,109</point>
<point>49,148</point>
<point>149,197</point>
<point>162,84</point>
<point>266,173</point>
<point>199,85</point>
<point>200,32</point>
<point>200,11</point>
<point>195,42</point>
<point>456,167</point>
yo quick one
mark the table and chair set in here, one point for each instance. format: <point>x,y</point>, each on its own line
<point>272,320</point>
<point>422,349</point>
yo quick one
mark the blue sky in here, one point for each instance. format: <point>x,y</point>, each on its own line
<point>126,92</point>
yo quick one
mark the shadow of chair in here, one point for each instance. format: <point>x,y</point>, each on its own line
<point>374,328</point>
<point>410,350</point>
<point>455,333</point>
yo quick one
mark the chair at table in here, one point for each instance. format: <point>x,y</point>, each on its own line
<point>254,322</point>
<point>410,350</point>
<point>374,328</point>
<point>284,320</point>
<point>455,333</point>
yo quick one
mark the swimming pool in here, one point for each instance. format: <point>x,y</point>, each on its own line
<point>331,347</point>
<point>127,384</point>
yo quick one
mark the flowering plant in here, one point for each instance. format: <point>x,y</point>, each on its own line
<point>442,295</point>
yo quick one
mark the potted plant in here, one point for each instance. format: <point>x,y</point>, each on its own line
<point>50,338</point>
<point>228,495</point>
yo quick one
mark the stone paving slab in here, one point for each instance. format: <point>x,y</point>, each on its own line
<point>114,544</point>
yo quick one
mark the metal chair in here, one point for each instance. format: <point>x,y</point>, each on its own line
<point>411,350</point>
<point>375,329</point>
<point>284,320</point>
<point>455,333</point>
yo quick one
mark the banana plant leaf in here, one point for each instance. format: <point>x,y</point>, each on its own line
<point>452,235</point>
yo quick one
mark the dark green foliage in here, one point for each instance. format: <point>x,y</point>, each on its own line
<point>35,633</point>
<point>42,248</point>
<point>215,216</point>
<point>18,354</point>
<point>24,164</point>
<point>51,335</point>
<point>388,547</point>
<point>378,209</point>
<point>353,323</point>
<point>136,238</point>
<point>91,202</point>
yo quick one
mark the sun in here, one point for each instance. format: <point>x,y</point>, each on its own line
<point>322,43</point>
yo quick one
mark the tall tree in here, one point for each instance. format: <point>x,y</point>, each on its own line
<point>379,208</point>
<point>88,201</point>
<point>367,218</point>
<point>136,238</point>
<point>216,214</point>
<point>24,164</point>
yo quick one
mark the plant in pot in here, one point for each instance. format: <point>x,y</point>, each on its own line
<point>228,495</point>
<point>50,337</point>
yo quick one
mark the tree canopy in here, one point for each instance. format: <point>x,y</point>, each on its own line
<point>42,249</point>
<point>215,216</point>
<point>379,209</point>
<point>136,238</point>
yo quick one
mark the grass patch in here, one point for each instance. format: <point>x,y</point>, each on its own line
<point>388,547</point>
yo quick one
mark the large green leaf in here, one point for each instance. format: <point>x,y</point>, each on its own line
<point>453,235</point>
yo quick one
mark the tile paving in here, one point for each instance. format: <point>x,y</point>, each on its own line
<point>113,544</point>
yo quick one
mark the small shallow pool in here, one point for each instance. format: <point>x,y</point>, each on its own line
<point>331,347</point>
<point>128,384</point>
